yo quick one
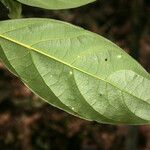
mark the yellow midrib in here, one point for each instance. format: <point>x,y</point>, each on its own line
<point>58,60</point>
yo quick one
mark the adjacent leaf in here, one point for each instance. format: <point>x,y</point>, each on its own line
<point>14,8</point>
<point>56,4</point>
<point>76,70</point>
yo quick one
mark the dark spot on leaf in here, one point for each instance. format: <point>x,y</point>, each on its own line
<point>106,59</point>
<point>100,94</point>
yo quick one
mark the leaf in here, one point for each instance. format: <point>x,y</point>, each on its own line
<point>14,8</point>
<point>56,4</point>
<point>76,70</point>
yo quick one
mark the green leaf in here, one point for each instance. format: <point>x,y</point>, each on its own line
<point>56,4</point>
<point>76,70</point>
<point>14,8</point>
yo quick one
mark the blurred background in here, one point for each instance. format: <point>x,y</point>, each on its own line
<point>27,123</point>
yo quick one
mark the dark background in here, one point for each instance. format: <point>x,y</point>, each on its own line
<point>27,123</point>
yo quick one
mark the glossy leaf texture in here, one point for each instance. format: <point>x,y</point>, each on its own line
<point>76,70</point>
<point>14,8</point>
<point>56,4</point>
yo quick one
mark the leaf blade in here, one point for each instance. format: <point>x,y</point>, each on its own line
<point>55,4</point>
<point>87,53</point>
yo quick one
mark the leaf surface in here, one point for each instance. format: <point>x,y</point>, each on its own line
<point>76,70</point>
<point>56,4</point>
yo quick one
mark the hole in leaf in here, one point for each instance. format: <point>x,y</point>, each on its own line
<point>72,108</point>
<point>70,72</point>
<point>119,56</point>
